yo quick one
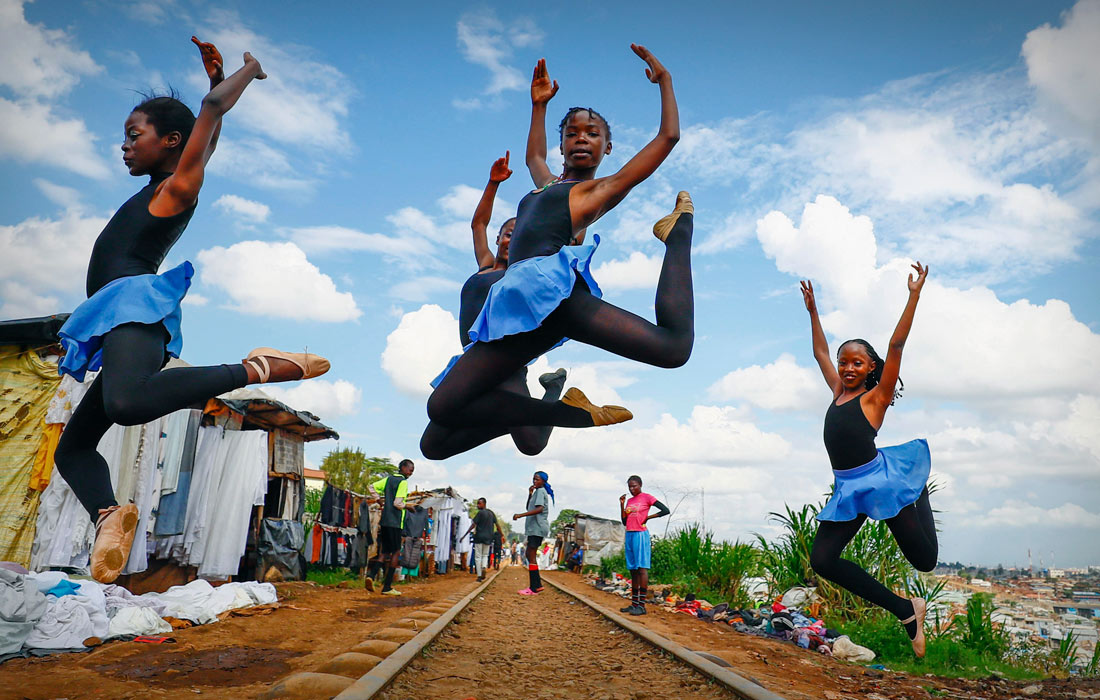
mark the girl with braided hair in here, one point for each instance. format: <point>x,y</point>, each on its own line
<point>548,293</point>
<point>130,324</point>
<point>888,483</point>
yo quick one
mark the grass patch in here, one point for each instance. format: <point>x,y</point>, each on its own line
<point>332,575</point>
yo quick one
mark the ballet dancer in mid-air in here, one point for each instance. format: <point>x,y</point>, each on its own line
<point>548,294</point>
<point>439,442</point>
<point>888,483</point>
<point>130,324</point>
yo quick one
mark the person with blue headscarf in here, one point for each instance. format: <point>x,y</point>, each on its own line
<point>537,526</point>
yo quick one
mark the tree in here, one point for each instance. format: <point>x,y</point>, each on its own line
<point>352,470</point>
<point>566,516</point>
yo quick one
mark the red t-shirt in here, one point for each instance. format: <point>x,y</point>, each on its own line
<point>637,510</point>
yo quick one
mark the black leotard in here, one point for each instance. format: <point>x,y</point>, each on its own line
<point>543,223</point>
<point>472,298</point>
<point>849,437</point>
<point>134,242</point>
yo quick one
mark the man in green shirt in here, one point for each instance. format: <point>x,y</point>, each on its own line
<point>392,491</point>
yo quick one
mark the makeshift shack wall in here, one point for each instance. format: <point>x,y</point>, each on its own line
<point>27,383</point>
<point>600,538</point>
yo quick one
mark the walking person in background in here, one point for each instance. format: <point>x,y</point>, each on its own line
<point>889,483</point>
<point>537,527</point>
<point>635,514</point>
<point>392,491</point>
<point>484,526</point>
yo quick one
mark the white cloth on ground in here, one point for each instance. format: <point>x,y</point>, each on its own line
<point>137,621</point>
<point>71,619</point>
<point>847,650</point>
<point>22,605</point>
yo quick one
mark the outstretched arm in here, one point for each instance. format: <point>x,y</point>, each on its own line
<point>542,91</point>
<point>882,395</point>
<point>498,173</point>
<point>181,189</point>
<point>590,201</point>
<point>821,346</point>
<point>212,63</point>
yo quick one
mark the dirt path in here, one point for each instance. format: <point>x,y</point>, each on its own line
<point>548,646</point>
<point>798,674</point>
<point>236,658</point>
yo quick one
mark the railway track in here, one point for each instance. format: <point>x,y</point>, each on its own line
<point>496,644</point>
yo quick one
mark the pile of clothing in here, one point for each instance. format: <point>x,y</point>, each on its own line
<point>791,617</point>
<point>49,612</point>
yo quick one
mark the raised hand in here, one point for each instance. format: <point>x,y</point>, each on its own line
<point>211,60</point>
<point>542,88</point>
<point>249,58</point>
<point>808,295</point>
<point>654,70</point>
<point>916,284</point>
<point>499,172</point>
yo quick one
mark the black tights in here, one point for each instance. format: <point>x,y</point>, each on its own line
<point>470,396</point>
<point>914,528</point>
<point>439,442</point>
<point>130,390</point>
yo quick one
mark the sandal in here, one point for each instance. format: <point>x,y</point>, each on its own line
<point>311,365</point>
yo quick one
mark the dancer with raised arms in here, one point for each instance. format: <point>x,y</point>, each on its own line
<point>888,483</point>
<point>130,324</point>
<point>548,294</point>
<point>439,442</point>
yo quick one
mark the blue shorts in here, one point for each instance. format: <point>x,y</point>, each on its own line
<point>637,549</point>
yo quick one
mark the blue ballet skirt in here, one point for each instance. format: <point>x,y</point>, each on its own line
<point>137,299</point>
<point>529,292</point>
<point>879,489</point>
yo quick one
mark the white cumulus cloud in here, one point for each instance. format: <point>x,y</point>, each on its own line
<point>38,61</point>
<point>636,271</point>
<point>275,279</point>
<point>321,397</point>
<point>246,209</point>
<point>486,41</point>
<point>32,132</point>
<point>419,348</point>
<point>783,385</point>
<point>1061,64</point>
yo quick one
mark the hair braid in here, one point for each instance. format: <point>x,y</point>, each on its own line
<point>592,112</point>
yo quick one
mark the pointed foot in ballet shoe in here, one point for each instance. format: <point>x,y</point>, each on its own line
<point>277,366</point>
<point>684,205</point>
<point>114,535</point>
<point>550,378</point>
<point>920,609</point>
<point>601,415</point>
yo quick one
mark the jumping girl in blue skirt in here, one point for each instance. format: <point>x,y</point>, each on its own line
<point>548,294</point>
<point>130,324</point>
<point>888,484</point>
<point>439,442</point>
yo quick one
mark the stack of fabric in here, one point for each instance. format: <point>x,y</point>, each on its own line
<point>50,612</point>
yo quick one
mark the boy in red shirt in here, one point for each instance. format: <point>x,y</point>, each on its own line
<point>635,513</point>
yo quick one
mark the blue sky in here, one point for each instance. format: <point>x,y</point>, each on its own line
<point>837,142</point>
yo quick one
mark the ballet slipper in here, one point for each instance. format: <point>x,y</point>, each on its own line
<point>601,415</point>
<point>114,535</point>
<point>550,377</point>
<point>920,608</point>
<point>684,205</point>
<point>311,365</point>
